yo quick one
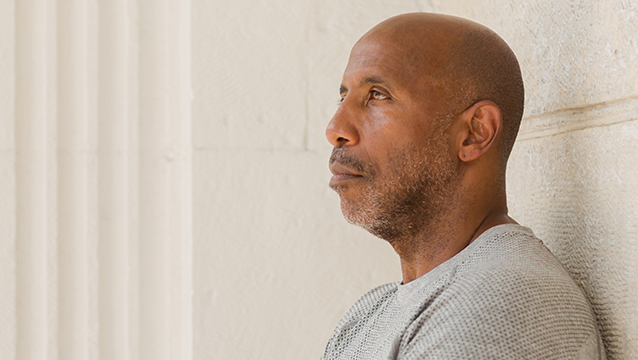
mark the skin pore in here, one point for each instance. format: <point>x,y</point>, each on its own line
<point>420,141</point>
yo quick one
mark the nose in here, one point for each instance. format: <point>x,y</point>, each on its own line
<point>341,131</point>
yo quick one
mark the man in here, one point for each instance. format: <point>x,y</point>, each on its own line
<point>430,107</point>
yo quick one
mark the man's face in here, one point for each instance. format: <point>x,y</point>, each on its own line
<point>391,159</point>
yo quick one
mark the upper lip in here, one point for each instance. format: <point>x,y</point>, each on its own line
<point>337,168</point>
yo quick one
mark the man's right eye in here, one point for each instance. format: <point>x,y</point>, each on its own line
<point>375,95</point>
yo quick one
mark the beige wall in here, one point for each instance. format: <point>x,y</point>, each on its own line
<point>164,171</point>
<point>276,266</point>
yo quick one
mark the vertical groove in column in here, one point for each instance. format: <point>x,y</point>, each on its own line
<point>51,180</point>
<point>76,150</point>
<point>153,180</point>
<point>36,289</point>
<point>7,179</point>
<point>133,183</point>
<point>30,257</point>
<point>180,204</point>
<point>92,336</point>
<point>114,180</point>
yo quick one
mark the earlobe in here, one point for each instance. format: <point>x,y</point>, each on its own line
<point>482,124</point>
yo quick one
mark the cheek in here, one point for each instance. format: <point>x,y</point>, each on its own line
<point>378,148</point>
<point>391,134</point>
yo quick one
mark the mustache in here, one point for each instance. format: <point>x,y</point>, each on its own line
<point>342,156</point>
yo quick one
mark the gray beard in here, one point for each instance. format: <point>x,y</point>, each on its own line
<point>407,205</point>
<point>412,202</point>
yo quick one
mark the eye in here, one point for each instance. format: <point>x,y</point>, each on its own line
<point>375,95</point>
<point>342,97</point>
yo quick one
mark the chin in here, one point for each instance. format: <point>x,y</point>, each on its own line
<point>369,219</point>
<point>355,214</point>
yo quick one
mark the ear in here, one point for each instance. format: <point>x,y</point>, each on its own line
<point>481,124</point>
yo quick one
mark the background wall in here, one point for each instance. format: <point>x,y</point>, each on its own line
<point>164,170</point>
<point>268,74</point>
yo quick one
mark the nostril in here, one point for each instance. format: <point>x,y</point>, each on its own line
<point>341,132</point>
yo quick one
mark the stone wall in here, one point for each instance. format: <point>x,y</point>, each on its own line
<point>276,266</point>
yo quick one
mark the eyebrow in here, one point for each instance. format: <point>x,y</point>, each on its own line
<point>369,80</point>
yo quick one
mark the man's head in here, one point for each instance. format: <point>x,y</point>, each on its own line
<point>431,105</point>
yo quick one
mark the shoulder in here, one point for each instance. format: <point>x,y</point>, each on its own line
<point>367,303</point>
<point>509,298</point>
<point>352,322</point>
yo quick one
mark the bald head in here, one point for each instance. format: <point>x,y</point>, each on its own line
<point>464,62</point>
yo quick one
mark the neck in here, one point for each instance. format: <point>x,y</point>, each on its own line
<point>442,237</point>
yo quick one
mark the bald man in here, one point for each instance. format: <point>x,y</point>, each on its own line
<point>430,107</point>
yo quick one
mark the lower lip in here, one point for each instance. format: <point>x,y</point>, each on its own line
<point>338,179</point>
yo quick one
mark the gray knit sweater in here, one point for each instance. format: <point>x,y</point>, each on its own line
<point>505,296</point>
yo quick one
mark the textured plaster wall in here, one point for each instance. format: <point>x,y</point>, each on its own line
<point>275,265</point>
<point>579,193</point>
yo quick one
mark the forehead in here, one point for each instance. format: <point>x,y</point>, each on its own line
<point>399,65</point>
<point>406,73</point>
<point>378,57</point>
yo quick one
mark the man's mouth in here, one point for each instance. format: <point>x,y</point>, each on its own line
<point>342,174</point>
<point>340,179</point>
<point>345,168</point>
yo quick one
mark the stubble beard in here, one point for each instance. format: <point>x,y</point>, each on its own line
<point>409,203</point>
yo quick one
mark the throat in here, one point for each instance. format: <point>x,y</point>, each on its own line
<point>420,254</point>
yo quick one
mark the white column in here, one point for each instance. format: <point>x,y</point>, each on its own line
<point>95,154</point>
